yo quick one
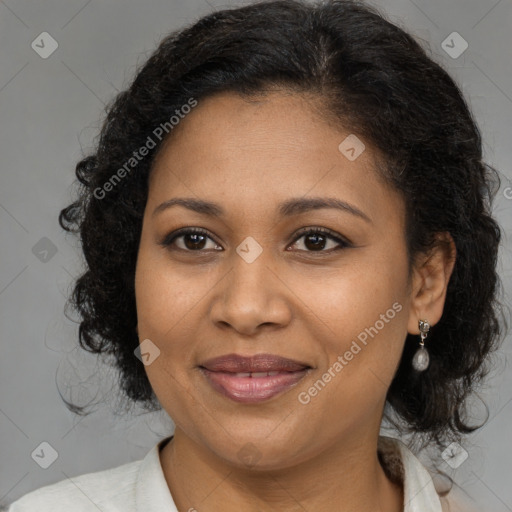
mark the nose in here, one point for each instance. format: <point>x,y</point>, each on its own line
<point>250,296</point>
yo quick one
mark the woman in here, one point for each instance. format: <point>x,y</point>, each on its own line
<point>288,242</point>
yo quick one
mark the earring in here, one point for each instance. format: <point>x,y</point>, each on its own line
<point>421,359</point>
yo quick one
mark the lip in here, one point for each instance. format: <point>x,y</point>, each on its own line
<point>235,363</point>
<point>233,376</point>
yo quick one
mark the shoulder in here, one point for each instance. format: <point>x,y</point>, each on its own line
<point>107,490</point>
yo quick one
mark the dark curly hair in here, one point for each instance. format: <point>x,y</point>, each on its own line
<point>374,80</point>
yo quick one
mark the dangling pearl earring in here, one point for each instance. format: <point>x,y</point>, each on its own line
<point>421,359</point>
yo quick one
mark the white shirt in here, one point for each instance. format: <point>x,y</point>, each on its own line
<point>140,486</point>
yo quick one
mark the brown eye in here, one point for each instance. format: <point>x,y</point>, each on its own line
<point>194,240</point>
<point>316,240</point>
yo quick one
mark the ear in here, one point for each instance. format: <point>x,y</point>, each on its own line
<point>431,274</point>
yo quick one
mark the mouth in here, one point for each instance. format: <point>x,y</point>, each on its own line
<point>255,378</point>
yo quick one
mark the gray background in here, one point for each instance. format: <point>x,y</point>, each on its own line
<point>50,110</point>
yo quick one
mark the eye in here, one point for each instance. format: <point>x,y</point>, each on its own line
<point>196,239</point>
<point>193,239</point>
<point>316,239</point>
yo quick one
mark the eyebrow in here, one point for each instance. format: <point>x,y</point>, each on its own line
<point>294,206</point>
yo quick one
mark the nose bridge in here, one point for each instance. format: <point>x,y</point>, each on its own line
<point>251,294</point>
<point>250,274</point>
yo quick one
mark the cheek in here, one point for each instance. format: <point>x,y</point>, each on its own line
<point>352,298</point>
<point>361,314</point>
<point>164,298</point>
<point>165,293</point>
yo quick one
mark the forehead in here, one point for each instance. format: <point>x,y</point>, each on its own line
<point>266,149</point>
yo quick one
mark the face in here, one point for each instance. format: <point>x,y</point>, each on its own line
<point>336,299</point>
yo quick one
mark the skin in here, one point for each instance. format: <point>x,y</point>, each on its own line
<point>303,303</point>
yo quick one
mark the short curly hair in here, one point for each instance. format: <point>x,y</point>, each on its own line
<point>374,80</point>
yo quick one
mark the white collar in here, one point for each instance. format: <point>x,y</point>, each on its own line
<point>402,465</point>
<point>152,492</point>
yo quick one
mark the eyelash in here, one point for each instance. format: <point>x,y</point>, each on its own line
<point>344,243</point>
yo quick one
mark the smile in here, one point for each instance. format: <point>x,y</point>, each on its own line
<point>253,387</point>
<point>253,378</point>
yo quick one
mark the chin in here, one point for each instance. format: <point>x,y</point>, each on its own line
<point>265,453</point>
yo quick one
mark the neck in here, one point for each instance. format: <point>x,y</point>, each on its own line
<point>348,476</point>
